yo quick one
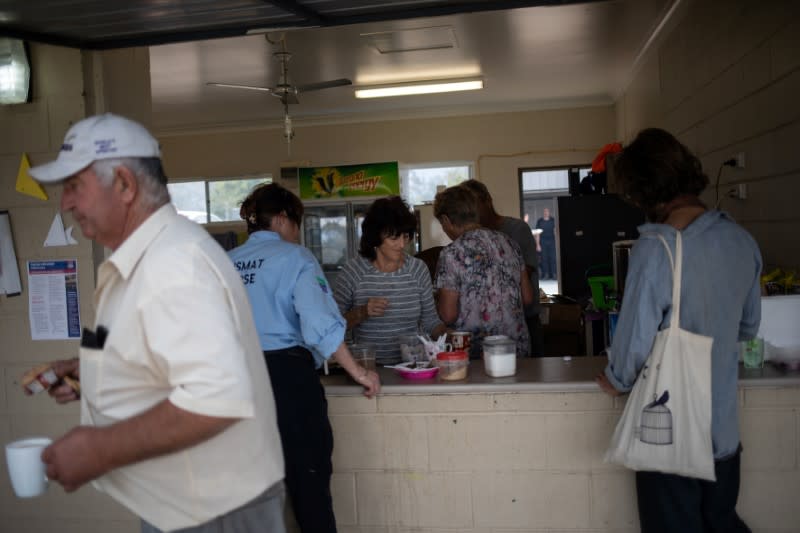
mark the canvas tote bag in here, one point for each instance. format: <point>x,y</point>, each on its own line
<point>666,424</point>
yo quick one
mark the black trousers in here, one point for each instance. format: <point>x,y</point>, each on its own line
<point>306,436</point>
<point>677,504</point>
<point>535,334</point>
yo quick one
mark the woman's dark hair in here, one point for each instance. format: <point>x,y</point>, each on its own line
<point>267,201</point>
<point>386,217</point>
<point>656,168</point>
<point>459,204</point>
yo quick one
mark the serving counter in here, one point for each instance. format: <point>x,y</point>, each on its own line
<point>552,374</point>
<point>525,452</point>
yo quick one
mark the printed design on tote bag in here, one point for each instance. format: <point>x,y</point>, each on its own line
<point>656,422</point>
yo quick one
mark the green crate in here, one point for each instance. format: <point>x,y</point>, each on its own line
<point>602,292</point>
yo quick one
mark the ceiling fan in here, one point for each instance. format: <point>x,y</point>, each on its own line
<point>284,89</point>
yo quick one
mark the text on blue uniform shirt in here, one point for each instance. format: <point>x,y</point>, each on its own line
<point>244,266</point>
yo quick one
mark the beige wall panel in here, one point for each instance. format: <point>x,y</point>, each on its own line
<point>760,113</point>
<point>552,137</point>
<point>25,129</point>
<point>63,112</point>
<point>777,240</point>
<point>765,397</point>
<point>55,71</point>
<point>742,98</point>
<point>768,199</point>
<point>126,83</point>
<point>675,63</point>
<point>614,500</point>
<point>5,425</point>
<point>565,401</point>
<point>386,442</point>
<point>41,524</point>
<point>444,403</point>
<point>755,69</point>
<point>360,442</point>
<point>80,504</point>
<point>415,500</point>
<point>407,443</point>
<point>532,500</point>
<point>343,489</point>
<point>487,442</point>
<point>768,500</point>
<point>578,441</point>
<point>351,405</point>
<point>30,226</point>
<point>769,439</point>
<point>19,348</point>
<point>785,48</point>
<point>642,106</point>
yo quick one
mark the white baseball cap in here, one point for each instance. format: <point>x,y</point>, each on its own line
<point>99,137</point>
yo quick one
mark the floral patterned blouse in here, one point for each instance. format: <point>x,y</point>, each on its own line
<point>484,267</point>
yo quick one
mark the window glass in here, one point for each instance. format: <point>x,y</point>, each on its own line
<point>419,182</point>
<point>226,196</point>
<point>545,180</point>
<point>204,201</point>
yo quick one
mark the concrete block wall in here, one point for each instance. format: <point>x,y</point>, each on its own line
<point>725,79</point>
<point>528,462</point>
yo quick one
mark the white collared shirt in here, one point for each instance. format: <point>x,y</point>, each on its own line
<point>180,329</point>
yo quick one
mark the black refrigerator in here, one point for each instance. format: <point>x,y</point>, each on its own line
<point>587,227</point>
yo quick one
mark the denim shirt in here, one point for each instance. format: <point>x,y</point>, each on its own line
<point>290,297</point>
<point>720,298</point>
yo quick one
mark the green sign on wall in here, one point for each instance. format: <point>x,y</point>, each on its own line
<point>371,179</point>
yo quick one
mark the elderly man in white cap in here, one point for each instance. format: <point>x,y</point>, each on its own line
<point>177,414</point>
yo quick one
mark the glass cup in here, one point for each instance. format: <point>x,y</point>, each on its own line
<point>364,354</point>
<point>25,466</point>
<point>753,353</point>
<point>411,349</point>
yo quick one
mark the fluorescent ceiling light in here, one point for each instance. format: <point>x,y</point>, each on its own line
<point>425,87</point>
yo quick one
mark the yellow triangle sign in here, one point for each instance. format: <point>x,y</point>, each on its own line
<point>26,184</point>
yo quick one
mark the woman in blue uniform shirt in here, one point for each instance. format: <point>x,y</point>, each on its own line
<point>300,326</point>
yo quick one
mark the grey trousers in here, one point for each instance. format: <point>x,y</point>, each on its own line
<point>263,514</point>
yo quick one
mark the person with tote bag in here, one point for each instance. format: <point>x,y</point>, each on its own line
<point>676,351</point>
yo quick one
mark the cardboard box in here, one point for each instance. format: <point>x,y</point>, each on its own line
<point>562,317</point>
<point>560,343</point>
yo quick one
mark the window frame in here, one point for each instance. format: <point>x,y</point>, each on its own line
<point>267,177</point>
<point>404,168</point>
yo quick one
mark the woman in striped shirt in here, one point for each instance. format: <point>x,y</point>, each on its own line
<point>385,293</point>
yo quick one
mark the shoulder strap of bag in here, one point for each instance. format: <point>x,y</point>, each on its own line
<point>675,321</point>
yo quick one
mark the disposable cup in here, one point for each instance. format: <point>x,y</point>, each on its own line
<point>364,354</point>
<point>25,466</point>
<point>753,353</point>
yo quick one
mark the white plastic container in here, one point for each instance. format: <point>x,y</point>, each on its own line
<point>499,356</point>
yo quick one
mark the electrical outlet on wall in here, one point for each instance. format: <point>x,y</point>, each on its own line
<point>739,160</point>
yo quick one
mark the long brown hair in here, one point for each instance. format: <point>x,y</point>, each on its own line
<point>267,201</point>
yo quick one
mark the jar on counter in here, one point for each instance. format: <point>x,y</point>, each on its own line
<point>499,356</point>
<point>452,365</point>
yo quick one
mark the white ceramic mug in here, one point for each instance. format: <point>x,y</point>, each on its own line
<point>25,466</point>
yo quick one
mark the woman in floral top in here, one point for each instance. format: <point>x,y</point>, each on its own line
<point>480,276</point>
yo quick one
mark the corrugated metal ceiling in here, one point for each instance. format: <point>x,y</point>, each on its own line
<point>105,24</point>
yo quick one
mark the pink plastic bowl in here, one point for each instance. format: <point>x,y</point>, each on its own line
<point>416,373</point>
